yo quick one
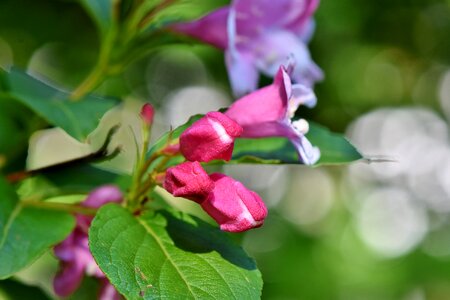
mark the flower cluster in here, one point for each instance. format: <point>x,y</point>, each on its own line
<point>267,112</point>
<point>229,202</point>
<point>75,257</point>
<point>259,36</point>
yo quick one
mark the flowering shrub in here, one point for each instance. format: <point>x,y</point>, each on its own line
<point>125,233</point>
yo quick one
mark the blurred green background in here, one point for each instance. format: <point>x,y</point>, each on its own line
<point>368,231</point>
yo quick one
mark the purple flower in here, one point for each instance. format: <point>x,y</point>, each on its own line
<point>259,36</point>
<point>268,112</point>
<point>75,257</point>
<point>75,261</point>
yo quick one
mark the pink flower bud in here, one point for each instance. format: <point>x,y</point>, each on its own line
<point>188,180</point>
<point>147,113</point>
<point>233,206</point>
<point>211,137</point>
<point>102,195</point>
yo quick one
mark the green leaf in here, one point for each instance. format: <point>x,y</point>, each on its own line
<point>78,118</point>
<point>164,255</point>
<point>102,12</point>
<point>334,147</point>
<point>27,232</point>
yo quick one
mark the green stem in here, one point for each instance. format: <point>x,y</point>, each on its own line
<point>152,13</point>
<point>97,75</point>
<point>60,207</point>
<point>90,83</point>
<point>141,166</point>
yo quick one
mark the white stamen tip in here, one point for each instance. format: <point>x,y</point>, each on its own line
<point>301,125</point>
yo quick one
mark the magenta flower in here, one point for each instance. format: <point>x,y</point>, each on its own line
<point>258,36</point>
<point>268,112</point>
<point>147,113</point>
<point>188,180</point>
<point>229,202</point>
<point>76,260</point>
<point>211,137</point>
<point>233,206</point>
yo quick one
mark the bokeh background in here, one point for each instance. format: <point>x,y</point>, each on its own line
<point>364,231</point>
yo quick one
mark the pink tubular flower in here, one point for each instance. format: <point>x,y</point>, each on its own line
<point>259,36</point>
<point>188,180</point>
<point>268,112</point>
<point>75,257</point>
<point>233,206</point>
<point>211,137</point>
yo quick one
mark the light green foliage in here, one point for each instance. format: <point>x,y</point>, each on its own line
<point>165,255</point>
<point>25,232</point>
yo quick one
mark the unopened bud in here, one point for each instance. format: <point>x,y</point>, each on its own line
<point>188,180</point>
<point>147,113</point>
<point>211,137</point>
<point>234,207</point>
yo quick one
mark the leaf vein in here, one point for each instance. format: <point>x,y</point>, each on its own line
<point>164,250</point>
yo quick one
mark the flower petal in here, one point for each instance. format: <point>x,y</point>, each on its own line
<point>211,29</point>
<point>107,291</point>
<point>301,95</point>
<point>254,16</point>
<point>102,195</point>
<point>188,180</point>
<point>242,72</point>
<point>268,104</point>
<point>68,278</point>
<point>300,24</point>
<point>233,206</point>
<point>282,48</point>
<point>211,137</point>
<point>308,154</point>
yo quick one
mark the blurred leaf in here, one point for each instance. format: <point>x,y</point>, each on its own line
<point>174,256</point>
<point>78,118</point>
<point>15,290</point>
<point>10,134</point>
<point>88,289</point>
<point>26,232</point>
<point>102,12</point>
